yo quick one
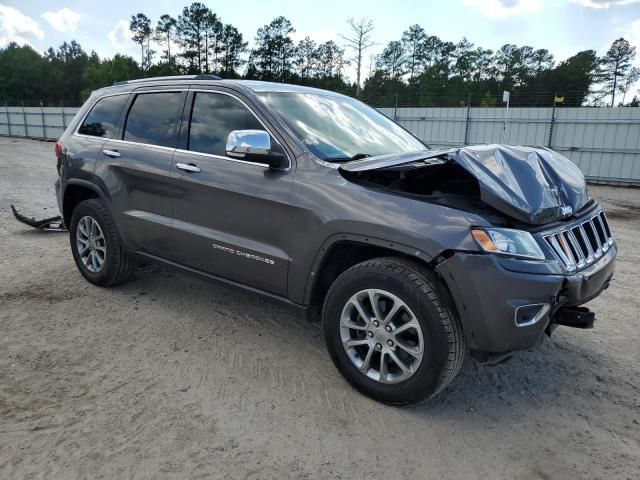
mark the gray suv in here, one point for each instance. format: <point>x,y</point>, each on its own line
<point>412,257</point>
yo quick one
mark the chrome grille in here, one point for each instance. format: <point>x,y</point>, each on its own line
<point>581,244</point>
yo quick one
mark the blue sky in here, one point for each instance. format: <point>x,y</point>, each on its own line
<point>562,26</point>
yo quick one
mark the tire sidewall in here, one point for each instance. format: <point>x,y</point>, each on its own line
<point>426,379</point>
<point>87,208</point>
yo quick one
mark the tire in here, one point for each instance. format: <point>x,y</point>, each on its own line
<point>117,267</point>
<point>431,354</point>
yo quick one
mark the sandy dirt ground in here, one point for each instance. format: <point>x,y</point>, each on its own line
<point>173,377</point>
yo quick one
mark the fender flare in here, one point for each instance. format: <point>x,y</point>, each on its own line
<point>365,240</point>
<point>89,186</point>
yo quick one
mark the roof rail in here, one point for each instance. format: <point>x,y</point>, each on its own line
<point>173,78</point>
<point>207,76</point>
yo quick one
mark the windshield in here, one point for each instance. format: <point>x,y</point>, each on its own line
<point>336,128</point>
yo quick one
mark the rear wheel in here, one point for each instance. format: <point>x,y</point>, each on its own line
<point>389,333</point>
<point>96,245</point>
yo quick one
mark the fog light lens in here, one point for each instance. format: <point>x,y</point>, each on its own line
<point>527,315</point>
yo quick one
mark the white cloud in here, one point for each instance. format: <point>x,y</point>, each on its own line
<point>634,38</point>
<point>498,9</point>
<point>603,3</point>
<point>15,26</point>
<point>64,20</point>
<point>119,36</point>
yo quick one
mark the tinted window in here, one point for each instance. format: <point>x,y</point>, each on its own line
<point>214,116</point>
<point>154,118</point>
<point>103,118</point>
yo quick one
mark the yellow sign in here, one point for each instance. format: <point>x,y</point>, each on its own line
<point>558,100</point>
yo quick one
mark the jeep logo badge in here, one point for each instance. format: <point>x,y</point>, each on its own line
<point>566,210</point>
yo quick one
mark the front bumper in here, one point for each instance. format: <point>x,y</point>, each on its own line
<point>487,297</point>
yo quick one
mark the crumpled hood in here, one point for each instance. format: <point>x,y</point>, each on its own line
<point>533,185</point>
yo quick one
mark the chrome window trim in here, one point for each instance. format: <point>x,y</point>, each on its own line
<point>229,159</point>
<point>267,129</point>
<point>151,145</point>
<point>84,117</point>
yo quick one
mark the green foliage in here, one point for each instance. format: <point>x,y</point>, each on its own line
<point>140,27</point>
<point>615,66</point>
<point>164,33</point>
<point>274,53</point>
<point>416,70</point>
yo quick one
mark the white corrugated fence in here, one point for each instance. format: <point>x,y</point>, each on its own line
<point>603,142</point>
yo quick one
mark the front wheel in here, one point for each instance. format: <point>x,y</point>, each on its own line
<point>389,332</point>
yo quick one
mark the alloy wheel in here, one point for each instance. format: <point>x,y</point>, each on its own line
<point>91,244</point>
<point>381,336</point>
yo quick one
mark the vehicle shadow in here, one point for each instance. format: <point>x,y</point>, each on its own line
<point>562,367</point>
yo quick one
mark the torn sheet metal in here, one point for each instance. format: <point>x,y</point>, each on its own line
<point>532,185</point>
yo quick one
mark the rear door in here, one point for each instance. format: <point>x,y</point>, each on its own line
<point>231,218</point>
<point>136,169</point>
<point>101,123</point>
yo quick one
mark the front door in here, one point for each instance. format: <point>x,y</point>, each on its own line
<point>231,217</point>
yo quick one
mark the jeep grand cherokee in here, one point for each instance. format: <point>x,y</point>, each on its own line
<point>412,256</point>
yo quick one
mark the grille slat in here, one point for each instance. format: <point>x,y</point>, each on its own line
<point>580,245</point>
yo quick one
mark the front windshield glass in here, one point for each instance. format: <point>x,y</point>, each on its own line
<point>336,128</point>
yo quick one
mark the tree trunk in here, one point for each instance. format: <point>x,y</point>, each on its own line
<point>613,92</point>
<point>359,66</point>
<point>206,53</point>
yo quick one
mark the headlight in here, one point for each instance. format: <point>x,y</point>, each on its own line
<point>508,242</point>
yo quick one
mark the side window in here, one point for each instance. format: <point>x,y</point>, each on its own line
<point>103,117</point>
<point>154,118</point>
<point>214,116</point>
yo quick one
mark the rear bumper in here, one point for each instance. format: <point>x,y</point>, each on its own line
<point>490,299</point>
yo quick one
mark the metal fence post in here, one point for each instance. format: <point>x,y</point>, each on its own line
<point>395,110</point>
<point>64,120</point>
<point>24,119</point>
<point>553,121</point>
<point>8,118</point>
<point>466,124</point>
<point>44,125</point>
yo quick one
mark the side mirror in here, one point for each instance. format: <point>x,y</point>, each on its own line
<point>253,146</point>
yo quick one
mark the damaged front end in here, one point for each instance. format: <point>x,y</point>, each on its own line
<point>507,301</point>
<point>525,185</point>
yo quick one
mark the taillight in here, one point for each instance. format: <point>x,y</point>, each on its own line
<point>58,149</point>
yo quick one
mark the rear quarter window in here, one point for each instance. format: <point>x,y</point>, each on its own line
<point>154,118</point>
<point>102,120</point>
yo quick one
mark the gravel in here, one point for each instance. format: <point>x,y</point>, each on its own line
<point>172,377</point>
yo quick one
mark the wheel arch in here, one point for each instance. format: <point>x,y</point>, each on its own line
<point>75,192</point>
<point>342,251</point>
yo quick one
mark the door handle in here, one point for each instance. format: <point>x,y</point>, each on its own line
<point>112,153</point>
<point>188,167</point>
